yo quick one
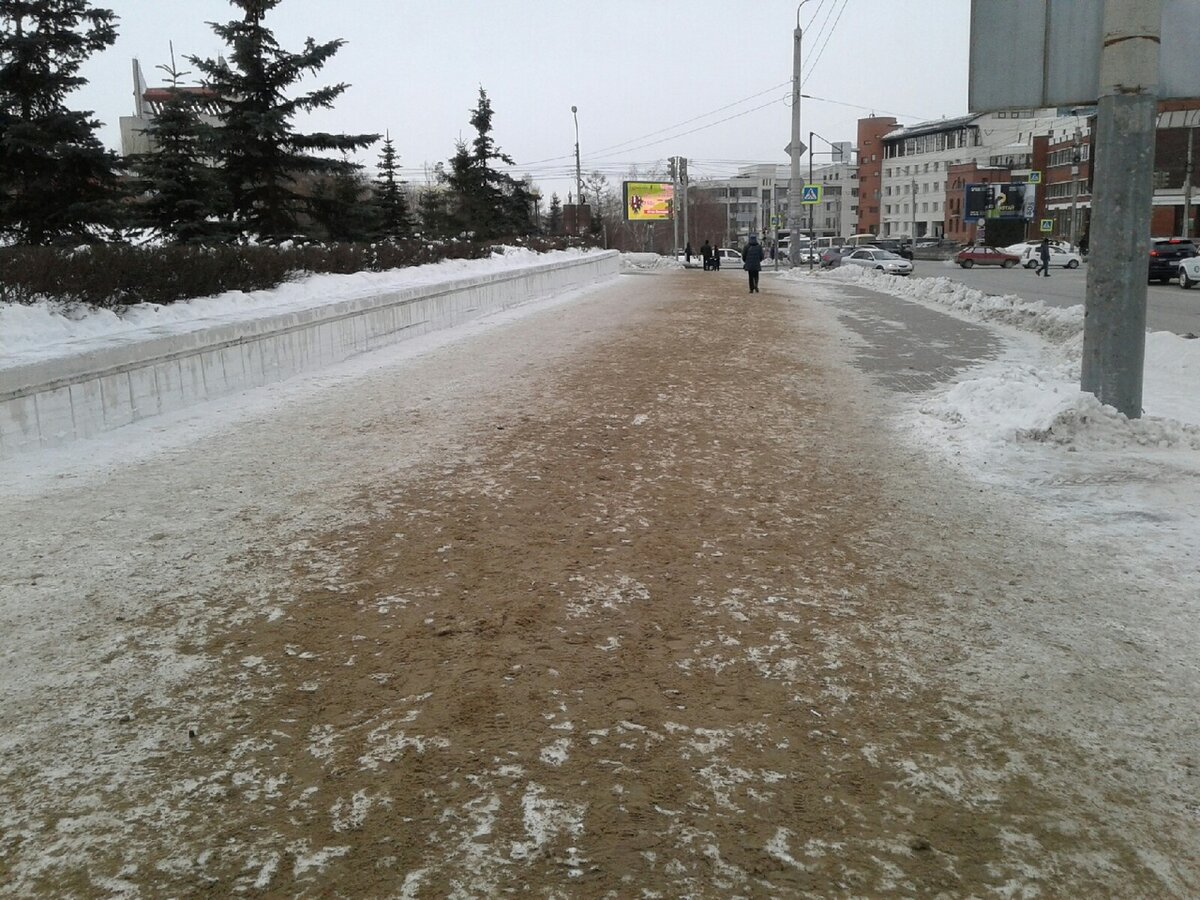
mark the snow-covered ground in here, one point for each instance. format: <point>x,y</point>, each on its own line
<point>48,328</point>
<point>1021,422</point>
<point>1018,422</point>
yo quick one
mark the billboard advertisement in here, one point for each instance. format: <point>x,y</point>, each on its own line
<point>1000,201</point>
<point>649,201</point>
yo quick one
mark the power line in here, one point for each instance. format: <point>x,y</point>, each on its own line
<point>711,112</point>
<point>817,58</point>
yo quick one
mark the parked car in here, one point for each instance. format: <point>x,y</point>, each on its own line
<point>1189,272</point>
<point>729,256</point>
<point>1020,247</point>
<point>881,260</point>
<point>1166,255</point>
<point>926,243</point>
<point>900,248</point>
<point>1068,259</point>
<point>831,258</point>
<point>969,257</point>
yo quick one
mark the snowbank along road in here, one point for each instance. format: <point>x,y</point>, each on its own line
<point>637,595</point>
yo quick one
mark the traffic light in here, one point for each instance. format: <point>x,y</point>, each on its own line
<point>671,167</point>
<point>683,169</point>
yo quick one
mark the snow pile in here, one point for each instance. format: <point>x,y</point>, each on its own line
<point>1018,404</point>
<point>648,261</point>
<point>35,329</point>
<point>1036,398</point>
<point>1051,322</point>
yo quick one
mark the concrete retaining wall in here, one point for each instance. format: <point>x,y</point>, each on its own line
<point>115,380</point>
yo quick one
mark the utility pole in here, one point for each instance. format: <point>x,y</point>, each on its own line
<point>1114,325</point>
<point>578,177</point>
<point>673,169</point>
<point>1075,159</point>
<point>795,148</point>
<point>683,176</point>
<point>1187,185</point>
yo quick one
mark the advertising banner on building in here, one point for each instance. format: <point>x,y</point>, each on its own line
<point>649,201</point>
<point>1000,201</point>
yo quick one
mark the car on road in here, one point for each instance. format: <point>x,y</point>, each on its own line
<point>1067,259</point>
<point>900,248</point>
<point>880,260</point>
<point>831,257</point>
<point>1165,256</point>
<point>969,257</point>
<point>1189,272</point>
<point>1020,247</point>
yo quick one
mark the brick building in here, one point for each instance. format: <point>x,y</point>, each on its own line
<point>870,169</point>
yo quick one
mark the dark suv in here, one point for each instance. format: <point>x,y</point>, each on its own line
<point>900,248</point>
<point>1165,254</point>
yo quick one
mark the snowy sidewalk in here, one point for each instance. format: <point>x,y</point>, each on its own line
<point>658,588</point>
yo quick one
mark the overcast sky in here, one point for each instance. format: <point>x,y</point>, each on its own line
<point>651,78</point>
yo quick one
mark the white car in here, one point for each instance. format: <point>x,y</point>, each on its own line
<point>1189,272</point>
<point>1020,248</point>
<point>1032,258</point>
<point>880,260</point>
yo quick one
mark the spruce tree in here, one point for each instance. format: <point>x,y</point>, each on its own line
<point>259,150</point>
<point>390,204</point>
<point>554,225</point>
<point>487,202</point>
<point>185,196</point>
<point>341,208</point>
<point>56,180</point>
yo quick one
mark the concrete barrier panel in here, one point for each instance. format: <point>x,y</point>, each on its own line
<point>114,380</point>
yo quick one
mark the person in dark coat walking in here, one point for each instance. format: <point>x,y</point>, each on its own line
<point>706,252</point>
<point>1044,255</point>
<point>752,257</point>
<point>716,259</point>
<point>687,253</point>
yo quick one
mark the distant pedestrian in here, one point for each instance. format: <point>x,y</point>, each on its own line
<point>716,259</point>
<point>687,253</point>
<point>752,257</point>
<point>706,252</point>
<point>1044,255</point>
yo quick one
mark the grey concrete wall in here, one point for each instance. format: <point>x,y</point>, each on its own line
<point>111,381</point>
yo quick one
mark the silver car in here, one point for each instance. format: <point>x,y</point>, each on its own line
<point>881,260</point>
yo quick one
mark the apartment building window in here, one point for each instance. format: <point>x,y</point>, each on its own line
<point>888,190</point>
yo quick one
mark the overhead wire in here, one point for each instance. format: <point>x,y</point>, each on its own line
<point>828,35</point>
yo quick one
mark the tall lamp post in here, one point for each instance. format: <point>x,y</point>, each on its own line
<point>832,151</point>
<point>578,175</point>
<point>795,148</point>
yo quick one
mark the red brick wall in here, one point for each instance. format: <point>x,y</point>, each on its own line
<point>870,169</point>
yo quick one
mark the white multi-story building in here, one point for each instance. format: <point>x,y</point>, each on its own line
<point>915,159</point>
<point>755,200</point>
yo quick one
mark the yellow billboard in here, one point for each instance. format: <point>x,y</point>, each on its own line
<point>649,201</point>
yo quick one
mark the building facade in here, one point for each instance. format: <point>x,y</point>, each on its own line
<point>870,170</point>
<point>755,200</point>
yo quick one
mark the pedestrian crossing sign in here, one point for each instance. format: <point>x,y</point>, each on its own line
<point>1047,225</point>
<point>811,193</point>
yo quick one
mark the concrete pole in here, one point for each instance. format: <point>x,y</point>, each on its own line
<point>1187,186</point>
<point>673,165</point>
<point>1114,329</point>
<point>578,177</point>
<point>684,177</point>
<point>794,175</point>
<point>1075,160</point>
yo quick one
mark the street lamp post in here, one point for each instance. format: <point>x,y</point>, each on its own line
<point>1075,160</point>
<point>794,147</point>
<point>578,175</point>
